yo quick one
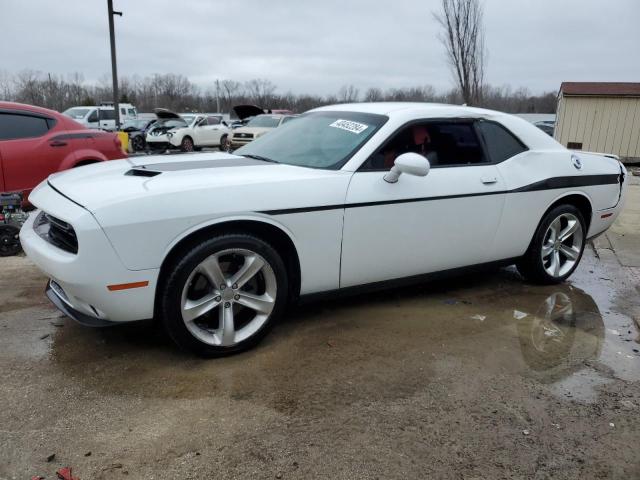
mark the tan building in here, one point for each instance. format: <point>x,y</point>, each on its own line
<point>600,117</point>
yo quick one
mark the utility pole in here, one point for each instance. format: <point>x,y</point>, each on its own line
<point>217,96</point>
<point>114,68</point>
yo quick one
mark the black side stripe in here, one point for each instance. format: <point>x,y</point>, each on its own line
<point>548,184</point>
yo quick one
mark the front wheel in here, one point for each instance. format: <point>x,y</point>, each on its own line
<point>137,143</point>
<point>224,295</point>
<point>556,248</point>
<point>187,144</point>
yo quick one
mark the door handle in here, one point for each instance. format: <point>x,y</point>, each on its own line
<point>57,143</point>
<point>489,180</point>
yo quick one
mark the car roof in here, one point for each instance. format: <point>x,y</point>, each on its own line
<point>400,112</point>
<point>428,109</point>
<point>27,108</point>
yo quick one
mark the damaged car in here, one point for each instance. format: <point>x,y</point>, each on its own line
<point>187,132</point>
<point>344,199</point>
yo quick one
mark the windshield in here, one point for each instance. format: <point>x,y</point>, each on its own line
<point>265,121</point>
<point>317,139</point>
<point>171,123</point>
<point>188,118</point>
<point>77,113</point>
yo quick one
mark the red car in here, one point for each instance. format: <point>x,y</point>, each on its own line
<point>35,142</point>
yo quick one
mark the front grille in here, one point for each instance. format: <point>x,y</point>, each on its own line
<point>57,232</point>
<point>243,135</point>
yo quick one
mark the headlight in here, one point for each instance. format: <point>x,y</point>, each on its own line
<point>169,135</point>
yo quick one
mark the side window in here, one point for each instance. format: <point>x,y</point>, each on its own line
<point>93,117</point>
<point>501,143</point>
<point>444,144</point>
<point>123,111</point>
<point>214,121</point>
<point>107,114</point>
<point>14,126</point>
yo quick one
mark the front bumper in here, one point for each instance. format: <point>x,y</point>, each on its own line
<point>59,299</point>
<point>83,278</point>
<point>240,142</point>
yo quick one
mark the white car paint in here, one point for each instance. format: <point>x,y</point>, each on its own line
<point>348,227</point>
<point>101,117</point>
<point>198,129</point>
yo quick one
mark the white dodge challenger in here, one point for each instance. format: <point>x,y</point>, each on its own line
<point>345,198</point>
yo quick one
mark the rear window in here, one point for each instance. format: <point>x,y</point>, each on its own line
<point>15,126</point>
<point>77,113</point>
<point>501,144</point>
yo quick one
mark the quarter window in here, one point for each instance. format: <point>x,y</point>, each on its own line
<point>444,144</point>
<point>501,144</point>
<point>15,126</point>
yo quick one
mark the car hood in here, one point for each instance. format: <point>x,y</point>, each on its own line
<point>245,111</point>
<point>161,178</point>
<point>254,130</point>
<point>163,113</point>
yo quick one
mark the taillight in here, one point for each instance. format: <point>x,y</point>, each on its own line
<point>1,217</point>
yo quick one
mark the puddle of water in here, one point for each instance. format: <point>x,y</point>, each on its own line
<point>379,346</point>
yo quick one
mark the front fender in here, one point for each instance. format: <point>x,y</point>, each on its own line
<point>257,217</point>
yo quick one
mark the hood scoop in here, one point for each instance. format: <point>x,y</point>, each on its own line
<point>153,169</point>
<point>141,172</point>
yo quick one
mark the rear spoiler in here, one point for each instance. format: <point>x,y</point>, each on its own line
<point>608,155</point>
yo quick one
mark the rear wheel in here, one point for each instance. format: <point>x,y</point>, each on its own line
<point>556,248</point>
<point>187,144</point>
<point>224,295</point>
<point>224,143</point>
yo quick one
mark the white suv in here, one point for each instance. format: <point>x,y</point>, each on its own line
<point>188,132</point>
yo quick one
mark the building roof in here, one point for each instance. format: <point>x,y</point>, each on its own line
<point>602,89</point>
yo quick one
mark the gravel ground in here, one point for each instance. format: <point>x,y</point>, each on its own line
<point>477,377</point>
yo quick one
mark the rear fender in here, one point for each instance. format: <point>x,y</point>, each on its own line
<point>82,155</point>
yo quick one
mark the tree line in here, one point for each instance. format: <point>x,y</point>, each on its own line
<point>176,92</point>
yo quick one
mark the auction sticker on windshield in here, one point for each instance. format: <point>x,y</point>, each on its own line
<point>350,126</point>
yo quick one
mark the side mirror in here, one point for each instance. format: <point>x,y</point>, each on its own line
<point>409,163</point>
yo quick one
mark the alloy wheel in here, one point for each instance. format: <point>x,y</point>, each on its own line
<point>562,245</point>
<point>228,297</point>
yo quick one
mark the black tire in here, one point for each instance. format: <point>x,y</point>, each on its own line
<point>531,265</point>
<point>181,270</point>
<point>9,240</point>
<point>224,143</point>
<point>187,144</point>
<point>137,143</point>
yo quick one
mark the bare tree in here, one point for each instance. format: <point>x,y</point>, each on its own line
<point>260,91</point>
<point>348,94</point>
<point>463,39</point>
<point>373,94</point>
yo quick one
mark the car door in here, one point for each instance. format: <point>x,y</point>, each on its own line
<point>444,220</point>
<point>203,133</point>
<point>32,148</point>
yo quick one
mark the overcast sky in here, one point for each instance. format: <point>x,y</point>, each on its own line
<point>317,46</point>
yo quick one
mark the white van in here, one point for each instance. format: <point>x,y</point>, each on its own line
<point>101,117</point>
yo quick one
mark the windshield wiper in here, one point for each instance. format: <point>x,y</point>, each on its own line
<point>259,157</point>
